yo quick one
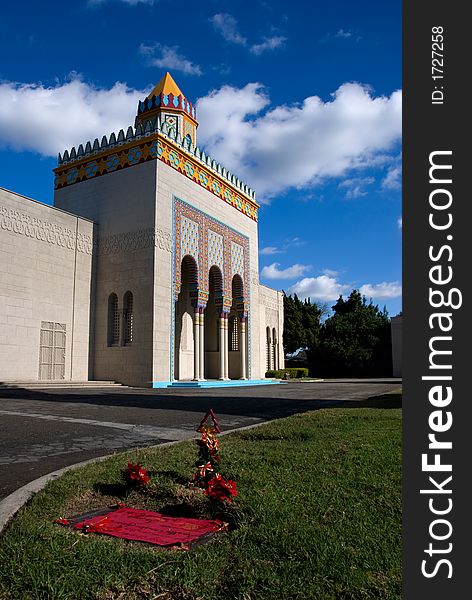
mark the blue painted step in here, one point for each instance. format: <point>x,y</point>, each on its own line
<point>214,383</point>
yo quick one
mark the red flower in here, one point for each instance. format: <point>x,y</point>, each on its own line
<point>218,488</point>
<point>137,474</point>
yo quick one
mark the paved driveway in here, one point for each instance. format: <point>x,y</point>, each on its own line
<point>41,431</point>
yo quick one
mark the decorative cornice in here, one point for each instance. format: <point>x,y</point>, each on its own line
<point>166,101</point>
<point>44,231</point>
<point>132,241</point>
<point>150,142</point>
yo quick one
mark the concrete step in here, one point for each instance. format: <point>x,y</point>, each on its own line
<point>62,384</point>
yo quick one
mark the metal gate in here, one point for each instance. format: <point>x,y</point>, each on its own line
<point>52,351</point>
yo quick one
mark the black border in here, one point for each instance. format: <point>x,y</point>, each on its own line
<point>427,128</point>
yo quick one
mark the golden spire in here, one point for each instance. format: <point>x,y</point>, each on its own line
<point>166,86</point>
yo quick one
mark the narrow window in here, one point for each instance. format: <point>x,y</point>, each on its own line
<point>113,321</point>
<point>268,354</point>
<point>128,318</point>
<point>274,348</point>
<point>234,334</point>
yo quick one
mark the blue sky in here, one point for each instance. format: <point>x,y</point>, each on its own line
<point>301,100</point>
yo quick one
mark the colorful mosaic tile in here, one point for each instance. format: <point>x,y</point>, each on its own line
<point>210,242</point>
<point>215,249</point>
<point>112,162</point>
<point>237,259</point>
<point>134,155</point>
<point>189,238</point>
<point>174,159</point>
<point>72,175</point>
<point>91,169</point>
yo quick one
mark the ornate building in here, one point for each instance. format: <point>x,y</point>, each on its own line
<point>145,271</point>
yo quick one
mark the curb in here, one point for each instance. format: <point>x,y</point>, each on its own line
<point>10,505</point>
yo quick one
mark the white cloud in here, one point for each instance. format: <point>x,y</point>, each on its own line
<point>356,186</point>
<point>272,150</point>
<point>50,119</point>
<point>385,289</point>
<point>168,57</point>
<point>298,145</point>
<point>268,44</point>
<point>268,250</point>
<point>323,288</point>
<point>343,34</point>
<point>226,25</point>
<point>330,272</point>
<point>393,178</point>
<point>327,287</point>
<point>273,271</point>
<point>400,222</point>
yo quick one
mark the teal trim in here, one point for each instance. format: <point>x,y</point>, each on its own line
<point>214,383</point>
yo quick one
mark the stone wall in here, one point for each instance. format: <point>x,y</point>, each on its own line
<point>123,205</point>
<point>45,278</point>
<point>272,316</point>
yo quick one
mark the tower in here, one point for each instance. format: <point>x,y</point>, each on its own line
<point>176,285</point>
<point>176,115</point>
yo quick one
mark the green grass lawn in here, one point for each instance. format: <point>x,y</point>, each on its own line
<point>318,516</point>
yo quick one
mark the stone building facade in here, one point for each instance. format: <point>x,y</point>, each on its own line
<point>148,261</point>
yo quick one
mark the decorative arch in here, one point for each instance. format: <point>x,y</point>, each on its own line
<point>268,352</point>
<point>189,270</point>
<point>274,349</point>
<point>215,279</point>
<point>186,321</point>
<point>237,288</point>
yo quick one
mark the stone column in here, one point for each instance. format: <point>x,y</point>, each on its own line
<point>225,347</point>
<point>196,345</point>
<point>221,333</point>
<point>242,341</point>
<point>202,344</point>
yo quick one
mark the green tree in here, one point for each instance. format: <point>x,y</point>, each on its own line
<point>355,341</point>
<point>301,323</point>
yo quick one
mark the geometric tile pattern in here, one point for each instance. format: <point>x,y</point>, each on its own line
<point>189,237</point>
<point>210,242</point>
<point>215,249</point>
<point>237,259</point>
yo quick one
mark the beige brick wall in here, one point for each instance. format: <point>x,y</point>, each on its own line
<point>272,316</point>
<point>45,275</point>
<point>123,206</point>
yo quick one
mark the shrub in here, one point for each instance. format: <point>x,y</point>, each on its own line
<point>290,373</point>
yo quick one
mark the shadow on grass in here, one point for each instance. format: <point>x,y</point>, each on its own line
<point>117,490</point>
<point>174,476</point>
<point>386,401</point>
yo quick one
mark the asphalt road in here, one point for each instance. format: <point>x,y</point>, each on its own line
<point>41,431</point>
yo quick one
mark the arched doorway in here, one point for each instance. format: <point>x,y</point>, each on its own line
<point>213,315</point>
<point>237,342</point>
<point>186,322</point>
<point>268,350</point>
